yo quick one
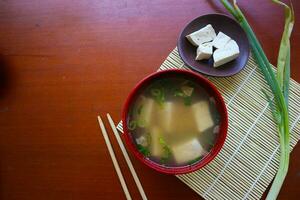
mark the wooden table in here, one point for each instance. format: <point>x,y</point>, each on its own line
<point>63,62</point>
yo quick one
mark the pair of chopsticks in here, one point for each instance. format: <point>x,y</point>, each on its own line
<point>114,160</point>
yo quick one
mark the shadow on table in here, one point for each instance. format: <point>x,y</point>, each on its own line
<point>217,6</point>
<point>5,76</point>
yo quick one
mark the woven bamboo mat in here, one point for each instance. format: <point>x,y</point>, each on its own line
<point>249,159</point>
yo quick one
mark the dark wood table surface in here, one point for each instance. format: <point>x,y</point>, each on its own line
<point>63,62</point>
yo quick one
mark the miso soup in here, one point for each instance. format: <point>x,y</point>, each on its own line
<point>174,122</point>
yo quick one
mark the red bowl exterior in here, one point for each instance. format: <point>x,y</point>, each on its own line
<point>221,107</point>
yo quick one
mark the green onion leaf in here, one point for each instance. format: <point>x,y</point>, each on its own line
<point>187,101</point>
<point>139,110</point>
<point>167,151</point>
<point>141,123</point>
<point>156,92</point>
<point>144,150</point>
<point>275,113</point>
<point>132,125</point>
<point>279,84</point>
<point>159,95</point>
<point>283,61</point>
<point>194,160</point>
<point>178,93</point>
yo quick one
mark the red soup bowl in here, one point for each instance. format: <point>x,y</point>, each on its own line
<point>220,106</point>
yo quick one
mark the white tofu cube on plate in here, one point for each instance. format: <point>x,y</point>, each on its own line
<point>204,51</point>
<point>221,40</point>
<point>228,53</point>
<point>201,36</point>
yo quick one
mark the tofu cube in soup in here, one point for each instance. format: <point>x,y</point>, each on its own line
<point>187,151</point>
<point>146,110</point>
<point>179,122</point>
<point>142,140</point>
<point>156,148</point>
<point>202,115</point>
<point>163,116</point>
<point>201,36</point>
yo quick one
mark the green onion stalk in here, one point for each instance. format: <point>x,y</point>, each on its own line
<point>278,82</point>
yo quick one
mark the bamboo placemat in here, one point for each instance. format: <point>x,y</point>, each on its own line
<point>249,159</point>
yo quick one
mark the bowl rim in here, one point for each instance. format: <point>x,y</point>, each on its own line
<point>181,169</point>
<point>195,68</point>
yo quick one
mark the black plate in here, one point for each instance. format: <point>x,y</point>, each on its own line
<point>220,23</point>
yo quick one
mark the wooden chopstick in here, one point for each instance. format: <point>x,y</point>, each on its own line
<point>114,160</point>
<point>128,161</point>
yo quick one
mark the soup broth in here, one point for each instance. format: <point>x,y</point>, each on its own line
<point>174,122</point>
